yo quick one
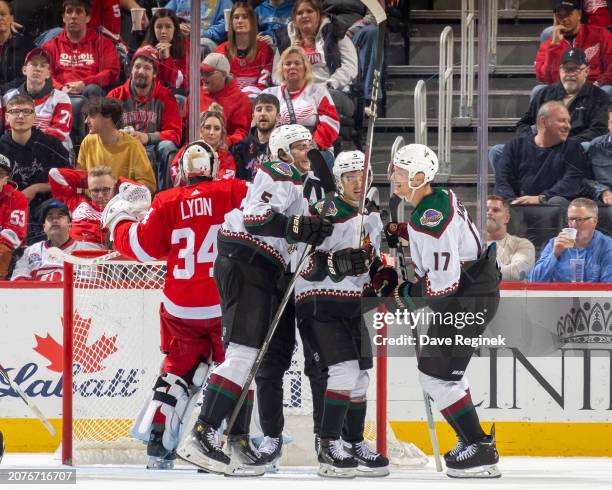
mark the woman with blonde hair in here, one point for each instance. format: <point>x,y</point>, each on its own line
<point>304,102</point>
<point>250,59</point>
<point>213,132</point>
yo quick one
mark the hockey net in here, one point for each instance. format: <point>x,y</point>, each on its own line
<point>112,359</point>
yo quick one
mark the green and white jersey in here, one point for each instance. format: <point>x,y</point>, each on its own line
<point>442,238</point>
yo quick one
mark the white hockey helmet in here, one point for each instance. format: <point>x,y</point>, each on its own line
<point>198,160</point>
<point>349,161</point>
<point>284,136</point>
<point>416,158</point>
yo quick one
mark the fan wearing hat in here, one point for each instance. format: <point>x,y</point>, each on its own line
<point>52,106</point>
<point>219,86</point>
<point>36,264</point>
<point>569,32</point>
<point>13,216</point>
<point>151,110</point>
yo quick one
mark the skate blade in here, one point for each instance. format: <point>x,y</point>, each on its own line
<point>367,472</point>
<point>487,471</point>
<point>159,464</point>
<point>240,471</point>
<point>272,467</point>
<point>329,471</point>
<point>193,455</point>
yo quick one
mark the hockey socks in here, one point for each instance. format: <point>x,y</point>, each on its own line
<point>355,421</point>
<point>335,406</point>
<point>462,416</point>
<point>220,396</point>
<point>243,421</point>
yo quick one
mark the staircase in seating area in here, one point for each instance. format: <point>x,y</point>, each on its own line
<point>510,82</point>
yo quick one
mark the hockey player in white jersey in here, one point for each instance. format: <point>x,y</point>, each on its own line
<point>254,246</point>
<point>455,275</point>
<point>328,304</point>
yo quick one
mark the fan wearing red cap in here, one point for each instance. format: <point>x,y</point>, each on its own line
<point>150,111</point>
<point>52,106</point>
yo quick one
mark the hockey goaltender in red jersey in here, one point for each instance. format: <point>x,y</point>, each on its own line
<point>181,226</point>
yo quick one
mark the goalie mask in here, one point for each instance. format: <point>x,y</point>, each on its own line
<point>198,160</point>
<point>349,161</point>
<point>284,136</point>
<point>415,159</point>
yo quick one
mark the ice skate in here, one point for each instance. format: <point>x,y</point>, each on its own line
<point>201,448</point>
<point>160,458</point>
<point>335,461</point>
<point>477,460</point>
<point>245,458</point>
<point>371,463</point>
<point>271,449</point>
<point>452,454</point>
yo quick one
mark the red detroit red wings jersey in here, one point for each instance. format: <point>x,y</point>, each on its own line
<point>182,226</point>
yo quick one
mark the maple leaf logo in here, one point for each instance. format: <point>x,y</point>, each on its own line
<point>90,357</point>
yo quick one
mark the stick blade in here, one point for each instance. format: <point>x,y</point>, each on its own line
<point>376,9</point>
<point>321,170</point>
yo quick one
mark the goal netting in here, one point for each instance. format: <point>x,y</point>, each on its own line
<point>111,320</point>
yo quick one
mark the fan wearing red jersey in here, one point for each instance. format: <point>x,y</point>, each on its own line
<point>181,226</point>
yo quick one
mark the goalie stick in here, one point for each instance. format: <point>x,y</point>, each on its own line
<point>27,401</point>
<point>380,16</point>
<point>394,203</point>
<point>59,254</point>
<point>318,162</point>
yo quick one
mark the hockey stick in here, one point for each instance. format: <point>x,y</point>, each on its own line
<point>381,20</point>
<point>394,202</point>
<point>59,254</point>
<point>275,321</point>
<point>27,401</point>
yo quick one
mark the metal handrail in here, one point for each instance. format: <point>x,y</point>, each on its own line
<point>445,98</point>
<point>420,113</point>
<point>466,95</point>
<point>493,22</point>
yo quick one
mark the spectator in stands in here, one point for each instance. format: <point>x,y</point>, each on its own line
<point>587,258</point>
<point>272,15</point>
<point>69,185</point>
<point>515,255</point>
<point>212,22</point>
<point>172,46</point>
<point>150,111</point>
<point>13,49</point>
<point>250,59</point>
<point>585,102</point>
<point>596,12</point>
<point>212,131</point>
<point>13,217</point>
<point>598,184</point>
<point>251,152</point>
<point>52,106</point>
<point>219,86</point>
<point>32,153</point>
<point>304,102</point>
<point>333,59</point>
<point>36,264</point>
<point>106,145</point>
<point>83,63</point>
<point>547,167</point>
<point>568,32</point>
<point>352,17</point>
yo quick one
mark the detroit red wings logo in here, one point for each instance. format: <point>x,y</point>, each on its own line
<point>90,356</point>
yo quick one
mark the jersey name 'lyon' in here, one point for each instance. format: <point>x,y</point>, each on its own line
<point>199,206</point>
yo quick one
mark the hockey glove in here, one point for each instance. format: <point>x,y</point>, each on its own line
<point>371,206</point>
<point>347,262</point>
<point>394,231</point>
<point>308,229</point>
<point>385,280</point>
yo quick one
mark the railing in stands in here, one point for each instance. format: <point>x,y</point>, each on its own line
<point>493,22</point>
<point>420,113</point>
<point>466,95</point>
<point>445,99</point>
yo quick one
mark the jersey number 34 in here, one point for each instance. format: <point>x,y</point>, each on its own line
<point>207,251</point>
